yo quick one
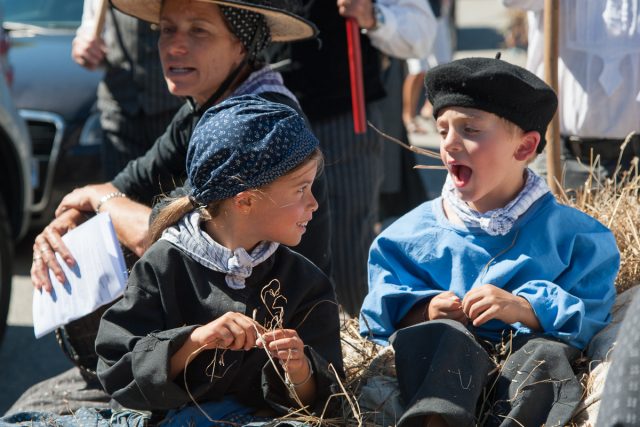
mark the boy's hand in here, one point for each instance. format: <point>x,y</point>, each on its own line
<point>490,302</point>
<point>446,305</point>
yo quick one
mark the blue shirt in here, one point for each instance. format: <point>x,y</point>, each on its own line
<point>561,260</point>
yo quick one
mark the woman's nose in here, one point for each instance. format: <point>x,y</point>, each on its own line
<point>175,45</point>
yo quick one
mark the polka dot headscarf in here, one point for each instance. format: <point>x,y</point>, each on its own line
<point>249,27</point>
<point>242,143</point>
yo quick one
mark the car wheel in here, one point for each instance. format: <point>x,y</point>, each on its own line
<point>6,266</point>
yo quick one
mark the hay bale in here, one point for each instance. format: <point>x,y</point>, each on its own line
<point>616,204</point>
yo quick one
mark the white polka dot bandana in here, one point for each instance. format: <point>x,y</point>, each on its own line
<point>242,143</point>
<point>249,27</point>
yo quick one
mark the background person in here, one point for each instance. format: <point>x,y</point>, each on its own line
<point>134,103</point>
<point>318,73</point>
<point>599,82</point>
<point>441,52</point>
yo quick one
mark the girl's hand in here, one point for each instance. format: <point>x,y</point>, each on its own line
<point>286,346</point>
<point>446,305</point>
<point>490,302</point>
<point>233,331</point>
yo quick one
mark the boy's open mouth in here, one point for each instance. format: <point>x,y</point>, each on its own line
<point>461,175</point>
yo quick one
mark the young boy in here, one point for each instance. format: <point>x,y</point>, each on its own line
<point>494,270</point>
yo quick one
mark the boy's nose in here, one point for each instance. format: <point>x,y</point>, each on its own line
<point>451,142</point>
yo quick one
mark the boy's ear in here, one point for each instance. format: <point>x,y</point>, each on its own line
<point>528,143</point>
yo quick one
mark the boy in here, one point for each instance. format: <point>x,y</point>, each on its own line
<point>494,264</point>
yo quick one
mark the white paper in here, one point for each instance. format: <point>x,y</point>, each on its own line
<point>98,278</point>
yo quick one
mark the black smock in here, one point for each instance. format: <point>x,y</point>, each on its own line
<point>169,294</point>
<point>444,369</point>
<point>163,168</point>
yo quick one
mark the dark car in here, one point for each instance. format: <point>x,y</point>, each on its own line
<point>16,177</point>
<point>55,96</point>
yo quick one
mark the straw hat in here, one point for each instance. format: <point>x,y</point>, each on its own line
<point>284,25</point>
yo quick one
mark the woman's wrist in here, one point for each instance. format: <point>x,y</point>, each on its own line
<point>101,193</point>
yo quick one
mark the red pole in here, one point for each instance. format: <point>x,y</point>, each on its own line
<point>355,75</point>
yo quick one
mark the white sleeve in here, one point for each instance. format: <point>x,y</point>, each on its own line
<point>88,18</point>
<point>534,5</point>
<point>408,30</point>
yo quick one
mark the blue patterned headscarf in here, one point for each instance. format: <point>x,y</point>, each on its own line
<point>242,143</point>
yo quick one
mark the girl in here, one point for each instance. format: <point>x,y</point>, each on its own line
<point>217,310</point>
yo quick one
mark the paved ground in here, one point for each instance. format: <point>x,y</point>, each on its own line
<point>25,360</point>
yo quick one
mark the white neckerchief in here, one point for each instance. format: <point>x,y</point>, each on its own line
<point>199,246</point>
<point>497,221</point>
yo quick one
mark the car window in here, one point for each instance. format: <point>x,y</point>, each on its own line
<point>43,13</point>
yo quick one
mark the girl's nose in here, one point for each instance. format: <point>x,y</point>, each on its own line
<point>313,203</point>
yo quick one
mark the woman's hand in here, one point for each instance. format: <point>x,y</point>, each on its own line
<point>488,302</point>
<point>85,198</point>
<point>49,242</point>
<point>446,305</point>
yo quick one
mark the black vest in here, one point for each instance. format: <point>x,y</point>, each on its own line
<point>319,70</point>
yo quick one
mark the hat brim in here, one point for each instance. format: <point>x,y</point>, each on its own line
<point>284,25</point>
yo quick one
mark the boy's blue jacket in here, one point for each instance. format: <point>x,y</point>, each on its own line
<point>561,260</point>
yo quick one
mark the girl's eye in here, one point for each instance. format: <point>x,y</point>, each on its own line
<point>442,133</point>
<point>167,30</point>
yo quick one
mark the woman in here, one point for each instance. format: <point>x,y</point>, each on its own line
<point>209,51</point>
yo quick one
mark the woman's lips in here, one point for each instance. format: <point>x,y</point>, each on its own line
<point>180,71</point>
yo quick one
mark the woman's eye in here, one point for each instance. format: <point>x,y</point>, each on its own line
<point>166,30</point>
<point>198,30</point>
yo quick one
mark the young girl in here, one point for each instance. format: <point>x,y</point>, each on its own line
<point>217,312</point>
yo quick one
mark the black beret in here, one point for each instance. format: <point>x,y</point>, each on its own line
<point>495,86</point>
